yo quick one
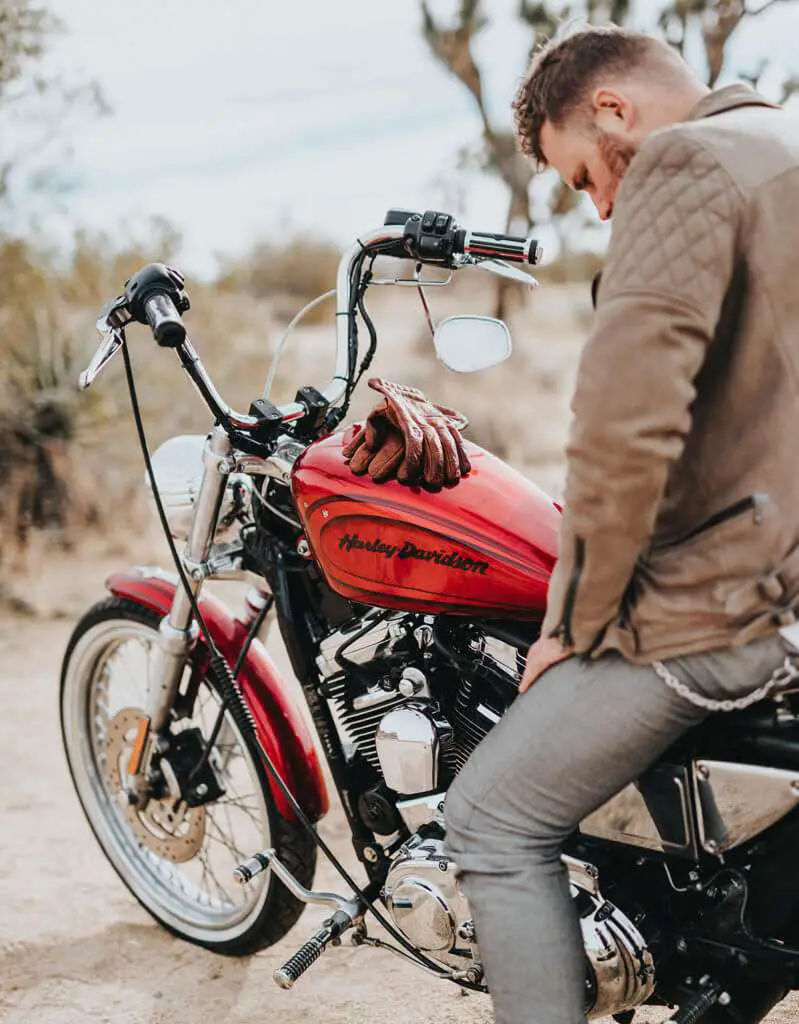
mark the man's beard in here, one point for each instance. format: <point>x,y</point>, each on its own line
<point>615,153</point>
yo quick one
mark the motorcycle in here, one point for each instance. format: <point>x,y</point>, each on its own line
<point>406,614</point>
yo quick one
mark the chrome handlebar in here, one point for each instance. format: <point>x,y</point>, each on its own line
<point>169,330</point>
<point>114,317</point>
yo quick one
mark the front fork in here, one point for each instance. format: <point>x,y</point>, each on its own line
<point>177,632</point>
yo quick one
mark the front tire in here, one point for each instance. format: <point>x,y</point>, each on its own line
<point>182,873</point>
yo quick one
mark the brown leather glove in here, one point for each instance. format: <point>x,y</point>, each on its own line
<point>409,437</point>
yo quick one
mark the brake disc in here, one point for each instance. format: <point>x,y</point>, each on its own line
<point>168,827</point>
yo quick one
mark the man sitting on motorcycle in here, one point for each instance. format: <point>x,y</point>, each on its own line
<point>679,550</point>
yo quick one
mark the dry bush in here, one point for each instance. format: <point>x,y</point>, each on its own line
<point>44,484</point>
<point>48,304</point>
<point>71,460</point>
<point>100,263</point>
<point>287,274</point>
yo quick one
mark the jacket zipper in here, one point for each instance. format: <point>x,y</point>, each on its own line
<point>753,502</point>
<point>628,601</point>
<point>564,630</point>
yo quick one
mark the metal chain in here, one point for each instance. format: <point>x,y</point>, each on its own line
<point>787,673</point>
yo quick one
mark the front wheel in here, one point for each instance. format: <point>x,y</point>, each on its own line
<point>176,860</point>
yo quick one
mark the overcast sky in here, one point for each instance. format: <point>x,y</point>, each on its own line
<point>252,118</point>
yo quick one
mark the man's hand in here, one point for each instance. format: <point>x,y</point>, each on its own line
<point>545,652</point>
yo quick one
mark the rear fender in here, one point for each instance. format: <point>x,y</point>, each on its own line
<point>281,727</point>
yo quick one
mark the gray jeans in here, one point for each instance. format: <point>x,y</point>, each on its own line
<point>583,732</point>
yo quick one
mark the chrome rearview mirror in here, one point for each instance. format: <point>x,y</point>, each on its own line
<point>469,343</point>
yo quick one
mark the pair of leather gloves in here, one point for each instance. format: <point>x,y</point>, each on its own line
<point>408,437</point>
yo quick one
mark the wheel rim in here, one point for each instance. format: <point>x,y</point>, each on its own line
<point>107,672</point>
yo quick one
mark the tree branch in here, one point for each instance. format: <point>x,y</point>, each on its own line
<point>764,7</point>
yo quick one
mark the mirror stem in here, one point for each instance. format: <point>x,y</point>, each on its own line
<point>423,297</point>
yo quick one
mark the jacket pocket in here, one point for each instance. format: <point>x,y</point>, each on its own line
<point>694,576</point>
<point>753,503</point>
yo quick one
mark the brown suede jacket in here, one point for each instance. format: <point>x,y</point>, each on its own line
<point>681,523</point>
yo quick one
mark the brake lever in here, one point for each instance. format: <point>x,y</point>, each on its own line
<point>110,323</point>
<point>112,342</point>
<point>502,269</point>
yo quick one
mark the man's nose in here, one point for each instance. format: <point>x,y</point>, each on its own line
<point>604,207</point>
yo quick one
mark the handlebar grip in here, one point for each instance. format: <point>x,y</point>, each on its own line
<point>489,245</point>
<point>165,320</point>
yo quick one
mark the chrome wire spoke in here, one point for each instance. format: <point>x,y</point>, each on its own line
<point>249,813</point>
<point>202,699</point>
<point>236,854</point>
<point>239,801</point>
<point>231,793</point>
<point>226,746</point>
<point>216,835</point>
<point>208,872</point>
<point>246,809</point>
<point>125,656</point>
<point>226,813</point>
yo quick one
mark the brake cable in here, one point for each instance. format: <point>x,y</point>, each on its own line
<point>366,362</point>
<point>357,306</point>
<point>240,711</point>
<point>213,736</point>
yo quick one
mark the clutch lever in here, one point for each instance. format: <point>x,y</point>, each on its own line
<point>502,269</point>
<point>111,344</point>
<point>111,322</point>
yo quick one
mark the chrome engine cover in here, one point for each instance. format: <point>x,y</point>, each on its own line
<point>424,897</point>
<point>621,967</point>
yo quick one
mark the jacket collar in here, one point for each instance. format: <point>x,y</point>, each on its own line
<point>728,98</point>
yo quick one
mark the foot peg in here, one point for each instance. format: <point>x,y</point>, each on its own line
<point>307,955</point>
<point>348,912</point>
<point>696,1007</point>
<point>256,865</point>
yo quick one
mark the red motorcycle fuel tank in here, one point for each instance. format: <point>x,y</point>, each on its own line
<point>484,547</point>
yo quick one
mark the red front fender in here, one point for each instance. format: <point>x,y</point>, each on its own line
<point>281,727</point>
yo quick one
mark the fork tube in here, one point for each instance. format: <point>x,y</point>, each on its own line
<point>177,632</point>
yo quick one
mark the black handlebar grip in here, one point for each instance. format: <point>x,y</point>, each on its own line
<point>489,245</point>
<point>163,317</point>
<point>156,295</point>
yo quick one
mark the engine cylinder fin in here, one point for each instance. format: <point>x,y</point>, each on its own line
<point>358,727</point>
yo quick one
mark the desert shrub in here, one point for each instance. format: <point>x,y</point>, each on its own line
<point>99,262</point>
<point>48,304</point>
<point>288,274</point>
<point>39,417</point>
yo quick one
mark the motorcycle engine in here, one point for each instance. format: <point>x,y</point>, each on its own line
<point>413,700</point>
<point>375,666</point>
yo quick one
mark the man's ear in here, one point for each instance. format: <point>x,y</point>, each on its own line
<point>612,109</point>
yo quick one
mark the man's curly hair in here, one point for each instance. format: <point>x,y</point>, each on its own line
<point>563,71</point>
